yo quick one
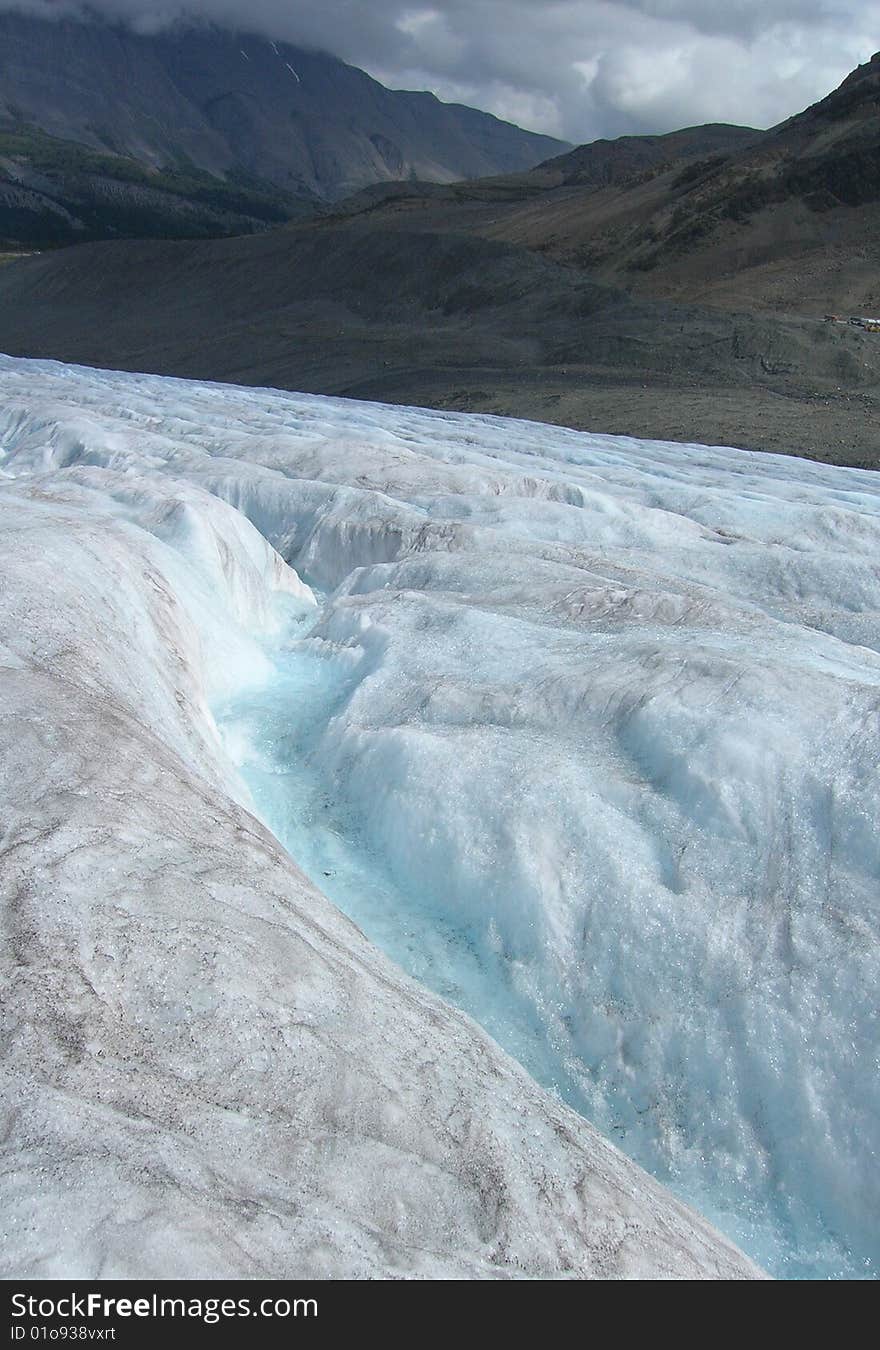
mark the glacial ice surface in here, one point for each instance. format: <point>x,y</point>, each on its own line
<point>582,730</point>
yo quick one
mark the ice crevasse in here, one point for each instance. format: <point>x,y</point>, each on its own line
<point>582,730</point>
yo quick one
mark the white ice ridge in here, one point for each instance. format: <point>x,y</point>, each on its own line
<point>603,711</point>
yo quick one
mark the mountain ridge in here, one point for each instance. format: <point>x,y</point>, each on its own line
<point>202,96</point>
<point>683,300</point>
<point>784,220</point>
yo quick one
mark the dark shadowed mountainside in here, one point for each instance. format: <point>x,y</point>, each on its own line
<point>786,221</point>
<point>605,163</point>
<point>206,98</point>
<point>55,192</point>
<point>446,320</point>
<point>684,299</point>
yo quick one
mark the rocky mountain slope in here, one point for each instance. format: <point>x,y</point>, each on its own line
<point>684,299</point>
<point>607,162</point>
<point>219,101</point>
<point>445,319</point>
<point>789,222</point>
<point>785,220</point>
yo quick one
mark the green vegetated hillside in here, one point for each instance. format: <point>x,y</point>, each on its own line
<point>55,192</point>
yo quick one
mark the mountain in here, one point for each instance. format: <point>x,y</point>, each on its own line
<point>605,163</point>
<point>284,125</point>
<point>667,302</point>
<point>786,220</point>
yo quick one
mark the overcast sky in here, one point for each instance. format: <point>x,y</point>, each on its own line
<point>580,69</point>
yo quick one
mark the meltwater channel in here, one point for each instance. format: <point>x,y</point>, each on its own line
<point>272,733</point>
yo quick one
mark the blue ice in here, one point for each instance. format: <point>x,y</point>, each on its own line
<point>273,733</point>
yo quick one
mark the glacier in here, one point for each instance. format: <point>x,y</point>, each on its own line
<point>580,731</point>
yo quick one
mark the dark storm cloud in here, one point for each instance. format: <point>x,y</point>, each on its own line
<point>579,68</point>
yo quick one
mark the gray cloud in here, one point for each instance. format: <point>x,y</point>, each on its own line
<point>578,68</point>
